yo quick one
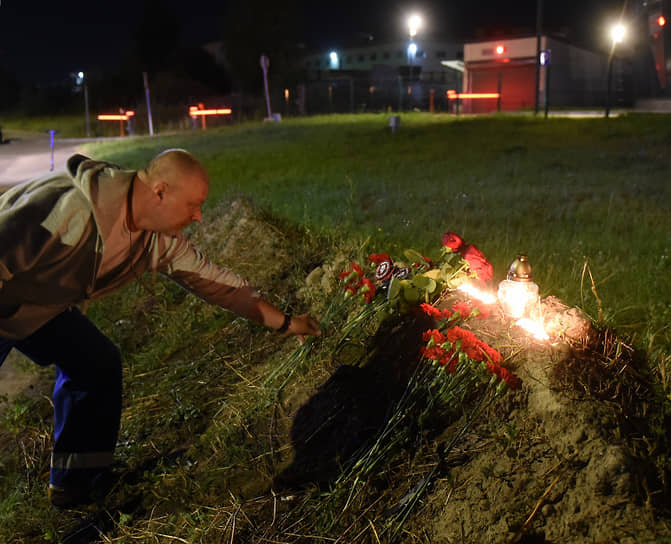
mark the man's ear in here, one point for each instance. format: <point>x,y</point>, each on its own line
<point>159,189</point>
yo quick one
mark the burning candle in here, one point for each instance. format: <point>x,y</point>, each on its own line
<point>518,294</point>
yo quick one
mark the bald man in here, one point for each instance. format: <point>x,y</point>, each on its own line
<point>73,237</point>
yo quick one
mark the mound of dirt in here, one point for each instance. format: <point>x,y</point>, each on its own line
<point>567,458</point>
<point>561,459</point>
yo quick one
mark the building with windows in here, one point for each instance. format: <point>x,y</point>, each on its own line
<point>397,75</point>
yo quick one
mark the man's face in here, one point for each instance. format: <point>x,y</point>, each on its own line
<point>180,205</point>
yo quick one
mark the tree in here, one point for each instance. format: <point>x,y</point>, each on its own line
<point>10,90</point>
<point>156,35</point>
<point>261,27</point>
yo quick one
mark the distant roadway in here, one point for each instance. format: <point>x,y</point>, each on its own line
<point>24,155</point>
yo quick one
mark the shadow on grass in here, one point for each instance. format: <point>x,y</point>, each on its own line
<point>351,407</point>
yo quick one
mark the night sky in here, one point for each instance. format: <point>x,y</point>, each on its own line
<point>43,41</point>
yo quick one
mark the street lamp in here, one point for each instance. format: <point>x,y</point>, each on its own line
<point>414,24</point>
<point>334,60</point>
<point>81,78</point>
<point>617,33</point>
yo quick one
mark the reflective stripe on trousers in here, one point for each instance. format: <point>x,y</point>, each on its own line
<point>87,394</point>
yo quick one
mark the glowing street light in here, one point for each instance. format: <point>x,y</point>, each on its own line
<point>81,80</point>
<point>414,24</point>
<point>617,34</point>
<point>334,60</point>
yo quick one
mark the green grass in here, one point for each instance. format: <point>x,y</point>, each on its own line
<point>565,191</point>
<point>68,126</point>
<point>200,431</point>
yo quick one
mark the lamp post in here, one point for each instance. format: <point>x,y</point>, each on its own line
<point>617,33</point>
<point>81,76</point>
<point>414,22</point>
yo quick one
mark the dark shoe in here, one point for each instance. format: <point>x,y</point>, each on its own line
<point>62,497</point>
<point>69,497</point>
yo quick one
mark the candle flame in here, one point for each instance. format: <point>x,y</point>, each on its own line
<point>482,296</point>
<point>535,328</point>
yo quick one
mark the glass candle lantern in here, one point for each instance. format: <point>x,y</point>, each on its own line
<point>518,294</point>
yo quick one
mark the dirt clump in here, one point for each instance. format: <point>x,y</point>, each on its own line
<point>557,461</point>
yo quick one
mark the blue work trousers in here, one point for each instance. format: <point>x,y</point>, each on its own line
<point>87,394</point>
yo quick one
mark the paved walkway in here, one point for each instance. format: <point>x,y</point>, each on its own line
<point>24,155</point>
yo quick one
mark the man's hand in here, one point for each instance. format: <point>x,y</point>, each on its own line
<point>302,326</point>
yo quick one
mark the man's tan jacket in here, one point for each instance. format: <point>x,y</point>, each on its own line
<point>55,232</point>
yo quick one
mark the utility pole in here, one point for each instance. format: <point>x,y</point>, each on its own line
<point>86,107</point>
<point>146,93</point>
<point>539,31</point>
<point>265,64</point>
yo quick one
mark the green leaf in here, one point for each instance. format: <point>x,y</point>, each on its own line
<point>394,288</point>
<point>421,281</point>
<point>411,294</point>
<point>414,256</point>
<point>435,274</point>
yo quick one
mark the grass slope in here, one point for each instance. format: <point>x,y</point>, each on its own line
<point>201,432</point>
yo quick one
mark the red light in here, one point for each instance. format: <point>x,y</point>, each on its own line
<point>451,94</point>
<point>661,20</point>
<point>500,50</point>
<point>479,95</point>
<point>114,117</point>
<point>197,110</point>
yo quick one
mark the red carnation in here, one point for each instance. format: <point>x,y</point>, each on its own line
<point>351,274</point>
<point>431,311</point>
<point>367,289</point>
<point>452,241</point>
<point>449,360</point>
<point>351,288</point>
<point>447,313</point>
<point>378,258</point>
<point>483,309</point>
<point>462,308</point>
<point>492,353</point>
<point>504,374</point>
<point>467,338</point>
<point>434,353</point>
<point>477,262</point>
<point>435,335</point>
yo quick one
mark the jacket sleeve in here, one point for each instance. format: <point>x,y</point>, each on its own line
<point>176,258</point>
<point>38,227</point>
